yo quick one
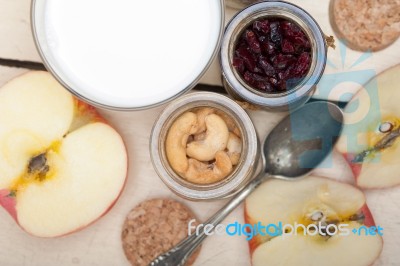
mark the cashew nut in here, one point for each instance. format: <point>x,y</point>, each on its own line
<point>216,139</point>
<point>177,137</point>
<point>201,115</point>
<point>202,173</point>
<point>229,122</point>
<point>200,136</point>
<point>234,148</point>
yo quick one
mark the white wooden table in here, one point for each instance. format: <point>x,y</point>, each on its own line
<point>100,243</point>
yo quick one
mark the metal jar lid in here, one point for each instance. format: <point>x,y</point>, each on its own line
<point>302,91</point>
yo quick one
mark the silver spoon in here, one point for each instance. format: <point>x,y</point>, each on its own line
<point>298,144</point>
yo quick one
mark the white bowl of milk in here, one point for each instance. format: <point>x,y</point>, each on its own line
<point>124,54</point>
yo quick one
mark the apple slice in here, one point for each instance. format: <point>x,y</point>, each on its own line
<point>314,202</point>
<point>369,140</point>
<point>61,165</point>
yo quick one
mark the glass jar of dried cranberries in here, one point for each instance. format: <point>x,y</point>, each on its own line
<point>273,53</point>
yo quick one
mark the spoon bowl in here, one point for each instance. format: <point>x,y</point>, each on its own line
<point>298,144</point>
<point>302,140</point>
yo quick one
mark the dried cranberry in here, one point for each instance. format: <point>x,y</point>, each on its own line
<point>261,26</point>
<point>269,70</point>
<point>282,61</point>
<point>288,73</point>
<point>258,81</point>
<point>248,76</point>
<point>275,34</point>
<point>269,47</point>
<point>282,85</point>
<point>287,47</point>
<point>262,39</point>
<point>253,78</point>
<point>291,30</point>
<point>258,77</point>
<point>302,41</point>
<point>302,64</point>
<point>272,55</point>
<point>265,86</point>
<point>274,81</point>
<point>252,41</point>
<point>248,58</point>
<point>238,63</point>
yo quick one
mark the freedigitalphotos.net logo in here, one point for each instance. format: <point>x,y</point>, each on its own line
<point>280,229</point>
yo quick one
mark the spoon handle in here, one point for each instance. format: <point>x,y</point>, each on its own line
<point>178,255</point>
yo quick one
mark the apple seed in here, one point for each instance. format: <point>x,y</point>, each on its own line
<point>38,165</point>
<point>386,127</point>
<point>358,217</point>
<point>317,216</point>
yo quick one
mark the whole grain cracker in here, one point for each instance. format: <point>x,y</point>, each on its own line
<point>366,24</point>
<point>152,228</point>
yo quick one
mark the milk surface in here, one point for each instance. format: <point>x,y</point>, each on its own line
<point>126,53</point>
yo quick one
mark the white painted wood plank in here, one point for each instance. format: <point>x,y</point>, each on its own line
<point>15,31</point>
<point>7,73</point>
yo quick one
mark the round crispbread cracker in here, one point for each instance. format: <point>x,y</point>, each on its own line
<point>153,227</point>
<point>366,24</point>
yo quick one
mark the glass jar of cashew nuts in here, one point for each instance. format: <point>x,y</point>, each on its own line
<point>204,146</point>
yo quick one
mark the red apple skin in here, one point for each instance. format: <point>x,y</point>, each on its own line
<point>9,202</point>
<point>85,110</point>
<point>369,219</point>
<point>256,240</point>
<point>355,167</point>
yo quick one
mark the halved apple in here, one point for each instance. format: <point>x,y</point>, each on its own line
<point>369,140</point>
<point>61,165</point>
<point>323,205</point>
